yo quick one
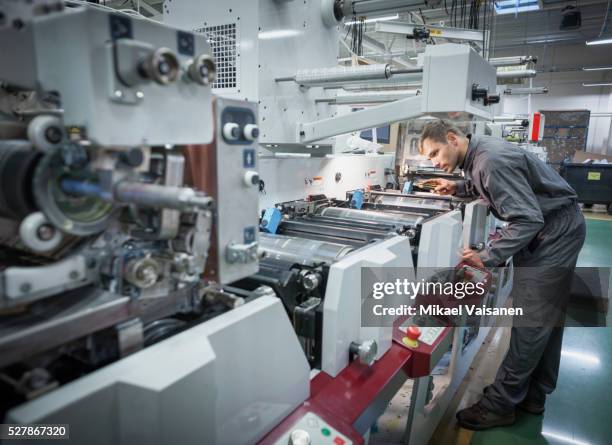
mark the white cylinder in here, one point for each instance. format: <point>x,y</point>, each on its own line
<point>343,74</point>
<point>511,74</point>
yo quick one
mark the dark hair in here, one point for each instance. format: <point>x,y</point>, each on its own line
<point>437,130</point>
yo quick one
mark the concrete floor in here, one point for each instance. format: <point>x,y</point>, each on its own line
<point>578,411</point>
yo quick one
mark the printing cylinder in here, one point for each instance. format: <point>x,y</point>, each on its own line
<point>511,74</point>
<point>406,219</point>
<point>301,250</point>
<point>405,201</point>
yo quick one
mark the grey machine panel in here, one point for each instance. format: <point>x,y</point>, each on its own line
<point>237,191</point>
<point>190,388</point>
<point>92,95</point>
<point>444,93</point>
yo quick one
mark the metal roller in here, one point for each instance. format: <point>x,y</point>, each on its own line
<point>512,60</point>
<point>17,162</point>
<point>511,74</point>
<point>369,97</point>
<point>406,219</point>
<point>406,201</point>
<point>301,250</point>
<point>343,74</point>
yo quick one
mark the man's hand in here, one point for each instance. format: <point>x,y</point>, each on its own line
<point>472,258</point>
<point>439,186</point>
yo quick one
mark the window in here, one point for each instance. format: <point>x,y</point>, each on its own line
<point>383,134</point>
<point>515,6</point>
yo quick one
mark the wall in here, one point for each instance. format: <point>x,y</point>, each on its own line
<point>567,93</point>
<point>565,87</point>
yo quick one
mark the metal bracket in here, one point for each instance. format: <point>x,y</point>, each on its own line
<point>242,253</point>
<point>433,31</point>
<point>130,336</point>
<point>400,110</point>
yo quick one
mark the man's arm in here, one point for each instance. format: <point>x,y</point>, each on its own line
<point>465,189</point>
<point>515,202</point>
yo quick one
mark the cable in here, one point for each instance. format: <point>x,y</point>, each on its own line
<point>604,25</point>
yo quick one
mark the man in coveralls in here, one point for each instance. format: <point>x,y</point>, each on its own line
<point>544,233</point>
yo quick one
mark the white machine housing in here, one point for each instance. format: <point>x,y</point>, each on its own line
<point>449,73</point>
<point>94,99</point>
<point>190,388</point>
<point>342,304</point>
<point>256,42</point>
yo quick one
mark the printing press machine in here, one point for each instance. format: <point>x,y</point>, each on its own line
<point>313,251</point>
<point>134,306</point>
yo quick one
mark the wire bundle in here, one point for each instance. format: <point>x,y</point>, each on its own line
<point>357,30</point>
<point>464,15</point>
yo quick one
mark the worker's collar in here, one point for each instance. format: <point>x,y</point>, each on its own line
<point>470,153</point>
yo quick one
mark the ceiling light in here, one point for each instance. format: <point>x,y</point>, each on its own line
<point>515,6</point>
<point>597,68</point>
<point>599,42</point>
<point>600,84</point>
<point>377,19</point>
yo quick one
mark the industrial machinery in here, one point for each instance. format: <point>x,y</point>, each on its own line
<point>117,232</point>
<point>131,286</point>
<point>284,57</point>
<point>312,248</point>
<point>313,258</point>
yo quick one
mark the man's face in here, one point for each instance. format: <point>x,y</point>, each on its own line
<point>443,155</point>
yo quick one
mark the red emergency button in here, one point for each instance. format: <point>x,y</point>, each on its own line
<point>414,332</point>
<point>339,441</point>
<point>412,337</point>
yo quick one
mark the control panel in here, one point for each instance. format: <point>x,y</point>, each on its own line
<point>236,188</point>
<point>427,337</point>
<point>239,126</point>
<point>312,430</point>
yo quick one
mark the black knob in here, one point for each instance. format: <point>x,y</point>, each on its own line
<point>489,100</point>
<point>479,93</point>
<point>133,157</point>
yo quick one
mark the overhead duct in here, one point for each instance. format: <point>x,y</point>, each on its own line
<point>571,18</point>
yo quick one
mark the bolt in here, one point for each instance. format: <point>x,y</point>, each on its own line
<point>53,134</point>
<point>73,275</point>
<point>118,94</point>
<point>45,232</point>
<point>25,288</point>
<point>139,94</point>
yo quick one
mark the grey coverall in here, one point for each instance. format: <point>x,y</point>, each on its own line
<point>544,234</point>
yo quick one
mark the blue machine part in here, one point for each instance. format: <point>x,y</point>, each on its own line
<point>407,188</point>
<point>271,219</point>
<point>357,199</point>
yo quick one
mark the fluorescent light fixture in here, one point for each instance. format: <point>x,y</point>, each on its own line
<point>564,438</point>
<point>581,356</point>
<point>599,42</point>
<point>516,6</point>
<point>596,68</point>
<point>377,19</point>
<point>597,84</point>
